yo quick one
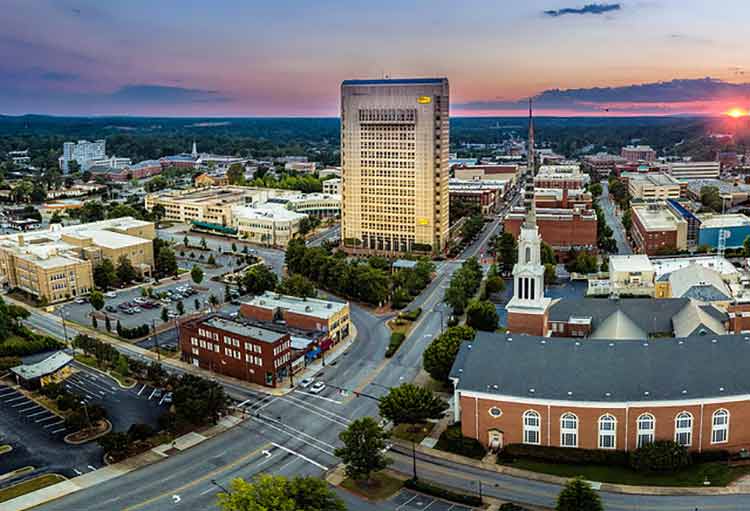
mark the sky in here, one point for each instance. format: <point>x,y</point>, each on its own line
<point>288,57</point>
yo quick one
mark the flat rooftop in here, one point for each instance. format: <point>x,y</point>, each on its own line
<point>662,266</point>
<point>728,220</point>
<point>268,211</point>
<point>245,330</point>
<point>630,263</point>
<point>397,81</point>
<point>306,306</point>
<point>656,219</point>
<point>658,179</point>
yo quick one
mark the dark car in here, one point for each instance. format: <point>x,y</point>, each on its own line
<point>110,308</point>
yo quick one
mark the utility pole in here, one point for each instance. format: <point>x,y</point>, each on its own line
<point>86,412</point>
<point>65,330</point>
<point>156,341</point>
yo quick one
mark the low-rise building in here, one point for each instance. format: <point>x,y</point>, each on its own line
<point>560,177</point>
<point>638,153</point>
<point>182,160</point>
<point>238,349</point>
<point>302,313</point>
<point>56,264</point>
<point>305,167</point>
<point>140,170</point>
<point>657,229</point>
<point>485,194</point>
<point>631,275</point>
<point>269,224</point>
<point>732,193</point>
<point>602,164</point>
<point>321,205</point>
<point>556,198</point>
<point>693,222</point>
<point>694,169</point>
<point>332,186</point>
<point>651,187</point>
<point>734,228</point>
<point>562,229</point>
<point>111,162</point>
<point>211,179</point>
<point>485,171</point>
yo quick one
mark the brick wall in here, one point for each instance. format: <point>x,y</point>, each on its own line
<point>531,324</point>
<point>576,231</point>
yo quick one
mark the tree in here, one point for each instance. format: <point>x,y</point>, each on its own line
<point>364,442</point>
<point>596,190</point>
<point>482,315</point>
<point>114,443</point>
<point>180,307</point>
<point>213,300</point>
<point>158,212</point>
<point>410,404</point>
<point>234,247</point>
<point>746,246</point>
<point>123,210</point>
<point>711,198</point>
<point>627,220</point>
<point>94,322</point>
<point>577,495</point>
<point>74,167</point>
<point>107,323</point>
<point>92,211</point>
<point>297,285</point>
<point>507,251</point>
<point>660,456</point>
<point>105,275</point>
<point>236,174</point>
<point>204,245</point>
<point>186,241</point>
<point>56,218</point>
<point>277,493</point>
<point>165,260</point>
<point>97,300</point>
<point>439,356</point>
<point>164,315</point>
<point>196,274</point>
<point>550,273</point>
<point>548,254</point>
<point>495,284</point>
<point>258,279</point>
<point>125,271</point>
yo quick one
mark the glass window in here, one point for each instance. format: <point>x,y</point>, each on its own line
<point>646,426</point>
<point>495,411</point>
<point>531,427</point>
<point>683,430</point>
<point>607,432</point>
<point>568,430</point>
<point>720,427</point>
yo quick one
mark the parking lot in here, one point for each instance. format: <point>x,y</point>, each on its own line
<point>407,500</point>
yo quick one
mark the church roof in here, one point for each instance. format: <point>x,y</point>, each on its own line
<point>618,326</point>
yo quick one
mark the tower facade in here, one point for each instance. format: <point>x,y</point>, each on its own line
<point>394,159</point>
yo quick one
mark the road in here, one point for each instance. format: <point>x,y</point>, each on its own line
<point>326,235</point>
<point>613,221</point>
<point>296,434</point>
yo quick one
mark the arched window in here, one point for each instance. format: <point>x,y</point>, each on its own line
<point>531,427</point>
<point>683,429</point>
<point>568,430</point>
<point>607,432</point>
<point>646,426</point>
<point>720,427</point>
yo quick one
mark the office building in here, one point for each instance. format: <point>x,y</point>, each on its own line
<point>57,264</point>
<point>332,186</point>
<point>20,158</point>
<point>694,169</point>
<point>394,153</point>
<point>238,349</point>
<point>658,229</point>
<point>638,153</point>
<point>309,314</point>
<point>486,195</point>
<point>269,224</point>
<point>733,228</point>
<point>83,152</point>
<point>303,167</point>
<point>651,187</point>
<point>561,177</point>
<point>485,171</point>
<point>556,198</point>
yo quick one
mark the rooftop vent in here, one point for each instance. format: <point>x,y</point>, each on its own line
<point>646,393</point>
<point>608,394</point>
<point>684,391</point>
<point>714,341</point>
<point>721,389</point>
<point>570,393</point>
<point>544,341</point>
<point>532,390</point>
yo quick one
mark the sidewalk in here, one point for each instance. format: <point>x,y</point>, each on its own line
<point>108,472</point>
<point>546,478</point>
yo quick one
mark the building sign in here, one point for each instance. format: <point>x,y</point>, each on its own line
<point>424,100</point>
<point>423,221</point>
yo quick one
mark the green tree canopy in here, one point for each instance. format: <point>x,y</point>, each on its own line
<point>277,493</point>
<point>362,453</point>
<point>105,275</point>
<point>297,285</point>
<point>196,274</point>
<point>439,356</point>
<point>482,315</point>
<point>97,300</point>
<point>125,271</point>
<point>577,495</point>
<point>258,279</point>
<point>409,404</point>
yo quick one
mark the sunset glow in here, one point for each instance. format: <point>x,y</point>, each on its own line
<point>736,113</point>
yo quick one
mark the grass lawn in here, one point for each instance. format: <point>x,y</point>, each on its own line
<point>381,487</point>
<point>412,432</point>
<point>92,362</point>
<point>400,325</point>
<point>718,473</point>
<point>33,484</point>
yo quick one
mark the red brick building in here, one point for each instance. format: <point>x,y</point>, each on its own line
<point>552,198</point>
<point>237,349</point>
<point>599,394</point>
<point>486,199</point>
<point>657,229</point>
<point>562,229</point>
<point>140,170</point>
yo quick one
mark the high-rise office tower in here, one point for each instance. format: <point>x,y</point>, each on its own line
<point>394,158</point>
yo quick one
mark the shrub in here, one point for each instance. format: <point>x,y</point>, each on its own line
<point>660,456</point>
<point>397,338</point>
<point>443,493</point>
<point>564,455</point>
<point>452,440</point>
<point>509,506</point>
<point>133,333</point>
<point>710,455</point>
<point>411,315</point>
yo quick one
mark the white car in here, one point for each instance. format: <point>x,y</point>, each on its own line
<point>317,387</point>
<point>304,383</point>
<point>110,294</point>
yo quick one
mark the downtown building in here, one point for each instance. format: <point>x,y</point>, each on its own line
<point>85,153</point>
<point>394,154</point>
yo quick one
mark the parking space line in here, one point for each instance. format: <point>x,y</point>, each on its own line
<point>15,399</point>
<point>405,503</point>
<point>78,472</point>
<point>43,410</point>
<point>142,389</point>
<point>22,404</point>
<point>10,391</point>
<point>51,416</point>
<point>92,468</point>
<point>58,431</point>
<point>29,408</point>
<point>53,424</point>
<point>97,384</point>
<point>428,505</point>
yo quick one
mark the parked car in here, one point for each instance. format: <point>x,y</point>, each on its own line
<point>317,387</point>
<point>110,308</point>
<point>158,393</point>
<point>166,301</point>
<point>305,382</point>
<point>123,306</point>
<point>137,310</point>
<point>80,301</point>
<point>167,399</point>
<point>110,294</point>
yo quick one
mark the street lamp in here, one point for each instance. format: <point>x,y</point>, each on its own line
<point>86,412</point>
<point>65,330</point>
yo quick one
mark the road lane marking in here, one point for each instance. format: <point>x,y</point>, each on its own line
<point>309,409</point>
<point>51,424</point>
<point>310,441</point>
<point>405,503</point>
<point>302,456</point>
<point>302,401</point>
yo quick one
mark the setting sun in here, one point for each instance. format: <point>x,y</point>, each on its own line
<point>737,113</point>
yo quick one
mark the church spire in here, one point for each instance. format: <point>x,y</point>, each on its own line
<point>194,153</point>
<point>530,220</point>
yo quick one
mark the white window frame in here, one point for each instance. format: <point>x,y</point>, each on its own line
<point>648,433</point>
<point>605,420</point>
<point>567,416</point>
<point>529,429</point>
<point>682,429</point>
<point>720,428</point>
<point>492,410</point>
